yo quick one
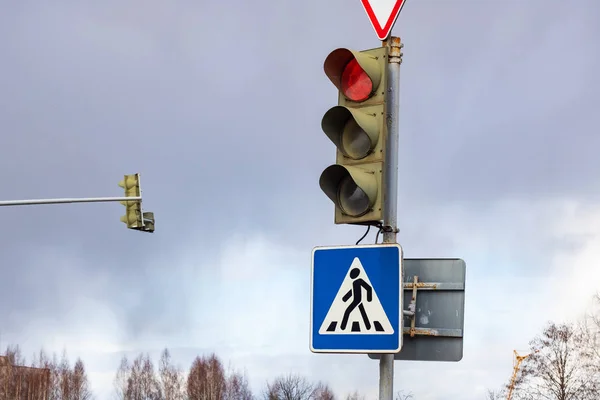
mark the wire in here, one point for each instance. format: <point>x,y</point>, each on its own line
<point>378,232</point>
<point>381,229</point>
<point>365,235</point>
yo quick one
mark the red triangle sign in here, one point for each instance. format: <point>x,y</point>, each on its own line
<point>383,14</point>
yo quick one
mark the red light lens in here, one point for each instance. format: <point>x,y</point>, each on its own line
<point>356,84</point>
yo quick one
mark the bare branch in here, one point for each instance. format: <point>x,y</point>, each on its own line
<point>290,387</point>
<point>402,396</point>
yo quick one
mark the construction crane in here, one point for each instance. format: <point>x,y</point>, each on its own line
<point>516,365</point>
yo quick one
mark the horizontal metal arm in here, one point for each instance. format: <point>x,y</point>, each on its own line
<point>63,201</point>
<point>434,286</point>
<point>440,332</point>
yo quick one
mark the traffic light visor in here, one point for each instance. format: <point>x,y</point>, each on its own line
<point>355,133</point>
<point>352,189</point>
<point>128,182</point>
<point>131,218</point>
<point>131,185</point>
<point>355,74</point>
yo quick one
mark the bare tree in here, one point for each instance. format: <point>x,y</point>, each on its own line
<point>141,380</point>
<point>495,395</point>
<point>121,379</point>
<point>591,328</point>
<point>560,367</point>
<point>134,387</point>
<point>63,376</point>
<point>595,331</point>
<point>323,392</point>
<point>206,379</point>
<point>290,387</point>
<point>52,384</point>
<point>80,386</point>
<point>171,378</point>
<point>54,381</point>
<point>134,381</point>
<point>355,396</point>
<point>150,385</point>
<point>14,355</point>
<point>404,396</point>
<point>237,387</point>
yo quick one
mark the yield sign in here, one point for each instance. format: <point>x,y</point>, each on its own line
<point>383,14</point>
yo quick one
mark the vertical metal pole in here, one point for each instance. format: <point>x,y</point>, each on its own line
<point>390,178</point>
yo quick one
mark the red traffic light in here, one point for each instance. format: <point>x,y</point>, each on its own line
<point>356,84</point>
<point>355,74</point>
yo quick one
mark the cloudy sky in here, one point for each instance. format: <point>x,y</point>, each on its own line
<point>218,105</point>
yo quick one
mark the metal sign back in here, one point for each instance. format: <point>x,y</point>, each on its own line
<point>438,324</point>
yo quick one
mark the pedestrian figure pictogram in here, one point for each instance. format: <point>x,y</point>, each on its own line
<point>353,313</point>
<point>356,294</point>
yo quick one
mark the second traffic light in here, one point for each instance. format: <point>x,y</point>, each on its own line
<point>135,217</point>
<point>133,208</point>
<point>357,127</point>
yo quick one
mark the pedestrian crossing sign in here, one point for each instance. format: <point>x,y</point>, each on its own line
<point>356,299</point>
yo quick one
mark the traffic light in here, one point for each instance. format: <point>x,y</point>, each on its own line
<point>134,216</point>
<point>133,208</point>
<point>357,127</point>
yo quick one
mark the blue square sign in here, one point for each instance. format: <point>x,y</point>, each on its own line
<point>356,299</point>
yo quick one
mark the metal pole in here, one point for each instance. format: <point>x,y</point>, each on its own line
<point>62,201</point>
<point>390,201</point>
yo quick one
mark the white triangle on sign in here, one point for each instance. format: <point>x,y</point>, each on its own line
<point>365,317</point>
<point>383,15</point>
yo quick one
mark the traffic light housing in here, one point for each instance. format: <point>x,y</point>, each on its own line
<point>357,127</point>
<point>135,217</point>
